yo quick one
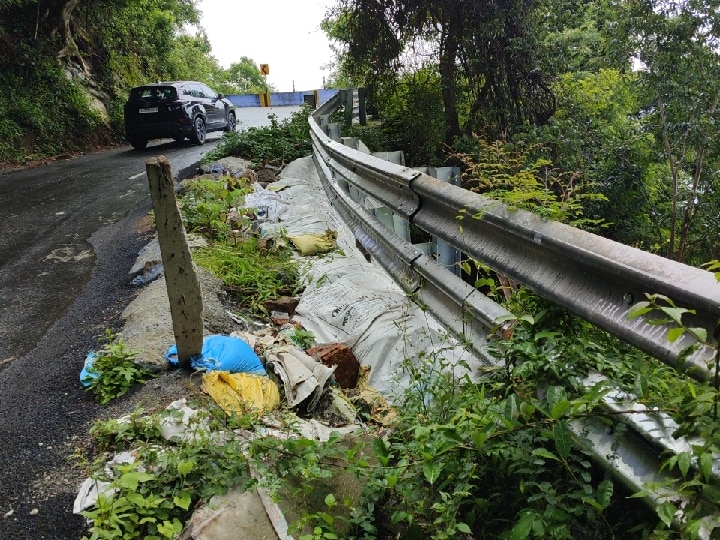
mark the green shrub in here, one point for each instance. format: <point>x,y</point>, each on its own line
<point>276,144</point>
<point>207,201</point>
<point>114,371</point>
<point>152,497</point>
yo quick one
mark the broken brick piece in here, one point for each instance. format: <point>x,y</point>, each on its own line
<point>340,355</point>
<point>284,304</point>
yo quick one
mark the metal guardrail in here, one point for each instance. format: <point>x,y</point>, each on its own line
<point>591,276</point>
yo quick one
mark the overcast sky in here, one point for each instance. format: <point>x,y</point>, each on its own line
<point>282,33</point>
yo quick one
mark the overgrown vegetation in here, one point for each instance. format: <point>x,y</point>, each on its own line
<point>153,496</point>
<point>252,270</point>
<point>620,97</point>
<point>510,173</point>
<point>497,458</point>
<point>252,275</point>
<point>502,458</point>
<point>207,203</point>
<point>277,144</point>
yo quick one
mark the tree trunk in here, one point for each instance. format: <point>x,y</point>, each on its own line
<point>449,48</point>
<point>674,172</point>
<point>70,51</point>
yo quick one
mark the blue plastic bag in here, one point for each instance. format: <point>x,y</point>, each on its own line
<point>222,353</point>
<point>86,376</point>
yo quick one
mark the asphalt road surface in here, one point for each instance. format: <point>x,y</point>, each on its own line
<point>71,231</point>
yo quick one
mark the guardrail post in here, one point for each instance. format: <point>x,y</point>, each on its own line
<point>333,131</point>
<point>447,255</point>
<point>398,224</point>
<point>347,100</point>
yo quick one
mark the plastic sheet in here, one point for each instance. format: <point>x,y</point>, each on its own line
<point>268,204</point>
<point>241,393</point>
<point>222,353</point>
<point>314,244</point>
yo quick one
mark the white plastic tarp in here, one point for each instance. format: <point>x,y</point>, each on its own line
<point>350,300</point>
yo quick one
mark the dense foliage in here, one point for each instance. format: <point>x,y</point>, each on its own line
<point>621,97</point>
<point>67,66</point>
<point>277,144</point>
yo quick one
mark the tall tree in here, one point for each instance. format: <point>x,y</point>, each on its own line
<point>244,77</point>
<point>483,52</point>
<point>678,47</point>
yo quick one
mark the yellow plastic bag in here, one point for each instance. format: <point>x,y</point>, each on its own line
<point>312,244</point>
<point>241,392</point>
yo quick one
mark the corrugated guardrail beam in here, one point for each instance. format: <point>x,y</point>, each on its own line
<point>465,311</point>
<point>594,277</point>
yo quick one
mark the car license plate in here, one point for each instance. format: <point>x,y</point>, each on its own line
<point>149,110</point>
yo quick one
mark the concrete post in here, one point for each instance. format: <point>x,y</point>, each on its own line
<point>182,282</point>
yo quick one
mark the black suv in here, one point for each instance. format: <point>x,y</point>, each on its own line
<point>177,109</point>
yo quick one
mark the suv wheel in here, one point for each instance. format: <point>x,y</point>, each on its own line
<point>231,124</point>
<point>138,144</point>
<point>199,131</point>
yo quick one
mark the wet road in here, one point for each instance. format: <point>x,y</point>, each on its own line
<point>48,213</point>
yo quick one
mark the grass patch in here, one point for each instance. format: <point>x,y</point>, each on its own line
<point>250,273</point>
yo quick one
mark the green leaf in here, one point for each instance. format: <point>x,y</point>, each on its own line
<point>666,511</point>
<point>185,466</point>
<point>330,500</point>
<point>675,313</point>
<point>511,408</point>
<point>503,318</point>
<point>706,465</point>
<point>674,334</point>
<point>699,333</point>
<point>684,463</point>
<point>605,493</point>
<point>431,470</point>
<point>521,530</point>
<point>463,528</point>
<point>641,308</point>
<point>559,409</point>
<point>553,394</point>
<point>479,438</point>
<point>711,493</point>
<point>130,480</point>
<point>398,516</point>
<point>541,452</point>
<point>183,500</point>
<point>563,439</point>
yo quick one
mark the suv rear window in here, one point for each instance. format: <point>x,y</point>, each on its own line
<point>153,93</point>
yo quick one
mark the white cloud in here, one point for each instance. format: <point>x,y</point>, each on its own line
<point>282,33</point>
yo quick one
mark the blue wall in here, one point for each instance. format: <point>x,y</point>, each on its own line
<point>245,100</point>
<point>281,99</point>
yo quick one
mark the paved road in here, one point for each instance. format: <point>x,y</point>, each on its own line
<point>71,232</point>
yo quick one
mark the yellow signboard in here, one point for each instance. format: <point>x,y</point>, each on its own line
<point>265,69</point>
